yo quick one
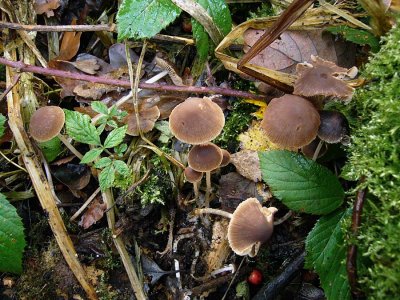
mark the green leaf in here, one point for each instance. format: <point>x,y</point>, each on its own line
<point>101,128</point>
<point>80,128</point>
<point>326,253</point>
<point>51,149</point>
<point>2,124</point>
<point>140,19</point>
<point>301,184</point>
<point>99,107</point>
<point>357,36</point>
<point>112,123</point>
<point>202,40</point>
<point>12,239</point>
<point>120,149</point>
<point>107,177</point>
<point>121,167</point>
<point>115,137</point>
<point>91,155</point>
<point>103,162</point>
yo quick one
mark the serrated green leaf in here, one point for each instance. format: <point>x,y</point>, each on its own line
<point>115,137</point>
<point>12,239</point>
<point>101,128</point>
<point>138,19</point>
<point>51,149</point>
<point>120,149</point>
<point>2,124</point>
<point>103,162</point>
<point>80,128</point>
<point>91,155</point>
<point>112,123</point>
<point>357,36</point>
<point>107,177</point>
<point>300,183</point>
<point>99,107</point>
<point>121,167</point>
<point>326,253</point>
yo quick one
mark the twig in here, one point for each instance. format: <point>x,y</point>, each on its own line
<point>87,202</point>
<point>272,288</point>
<point>125,83</point>
<point>8,89</point>
<point>13,163</point>
<point>43,193</point>
<point>351,263</point>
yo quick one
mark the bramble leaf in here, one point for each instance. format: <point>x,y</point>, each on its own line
<point>121,167</point>
<point>80,128</point>
<point>103,162</point>
<point>300,183</point>
<point>115,137</point>
<point>326,253</point>
<point>12,239</point>
<point>99,107</point>
<point>357,36</point>
<point>140,19</point>
<point>91,155</point>
<point>107,177</point>
<point>51,149</point>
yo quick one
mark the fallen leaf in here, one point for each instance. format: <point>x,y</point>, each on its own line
<point>93,214</point>
<point>147,120</point>
<point>254,138</point>
<point>69,45</point>
<point>46,6</point>
<point>247,164</point>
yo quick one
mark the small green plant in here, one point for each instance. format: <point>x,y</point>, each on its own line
<point>12,238</point>
<point>2,124</point>
<point>305,186</point>
<point>80,128</point>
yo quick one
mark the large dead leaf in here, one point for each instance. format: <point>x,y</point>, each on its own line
<point>93,214</point>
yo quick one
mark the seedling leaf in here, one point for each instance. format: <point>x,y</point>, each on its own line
<point>115,137</point>
<point>12,239</point>
<point>103,162</point>
<point>107,177</point>
<point>80,128</point>
<point>140,19</point>
<point>2,124</point>
<point>121,167</point>
<point>300,183</point>
<point>99,107</point>
<point>91,155</point>
<point>326,253</point>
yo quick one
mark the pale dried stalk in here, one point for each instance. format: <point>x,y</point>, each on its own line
<point>43,192</point>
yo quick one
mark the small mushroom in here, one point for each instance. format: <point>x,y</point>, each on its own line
<point>290,122</point>
<point>205,158</point>
<point>196,121</point>
<point>310,149</point>
<point>226,158</point>
<point>322,78</point>
<point>334,127</point>
<point>250,225</point>
<point>147,119</point>
<point>46,123</point>
<point>193,177</point>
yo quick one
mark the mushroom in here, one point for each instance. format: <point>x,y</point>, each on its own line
<point>46,123</point>
<point>147,119</point>
<point>205,158</point>
<point>323,78</point>
<point>310,150</point>
<point>226,158</point>
<point>290,122</point>
<point>193,177</point>
<point>250,225</point>
<point>196,121</point>
<point>334,127</point>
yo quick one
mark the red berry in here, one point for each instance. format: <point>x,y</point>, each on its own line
<point>255,277</point>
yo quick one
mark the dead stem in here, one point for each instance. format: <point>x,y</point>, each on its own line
<point>87,202</point>
<point>22,67</point>
<point>8,89</point>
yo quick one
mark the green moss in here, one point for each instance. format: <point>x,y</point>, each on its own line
<point>374,115</point>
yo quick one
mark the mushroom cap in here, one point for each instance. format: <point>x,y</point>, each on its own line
<point>320,79</point>
<point>290,122</point>
<point>250,226</point>
<point>334,126</point>
<point>46,123</point>
<point>226,158</point>
<point>309,150</point>
<point>196,121</point>
<point>147,119</point>
<point>205,157</point>
<point>192,176</point>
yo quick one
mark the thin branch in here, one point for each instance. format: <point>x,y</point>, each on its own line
<point>125,83</point>
<point>351,263</point>
<point>8,89</point>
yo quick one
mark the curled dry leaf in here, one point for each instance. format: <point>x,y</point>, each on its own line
<point>247,164</point>
<point>147,119</point>
<point>93,214</point>
<point>46,6</point>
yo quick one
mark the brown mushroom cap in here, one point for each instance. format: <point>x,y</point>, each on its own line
<point>192,176</point>
<point>318,79</point>
<point>46,123</point>
<point>226,158</point>
<point>250,226</point>
<point>196,121</point>
<point>334,126</point>
<point>147,119</point>
<point>309,150</point>
<point>205,157</point>
<point>290,121</point>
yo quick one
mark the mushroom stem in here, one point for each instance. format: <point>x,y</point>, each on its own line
<point>69,146</point>
<point>208,189</point>
<point>213,211</point>
<point>315,156</point>
<point>196,190</point>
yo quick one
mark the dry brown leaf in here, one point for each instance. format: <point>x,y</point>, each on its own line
<point>247,164</point>
<point>70,44</point>
<point>219,248</point>
<point>93,214</point>
<point>147,120</point>
<point>46,6</point>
